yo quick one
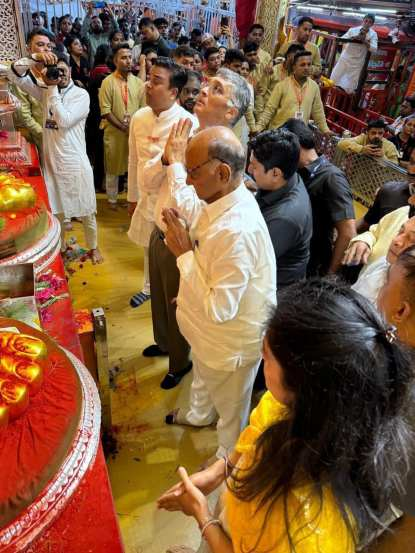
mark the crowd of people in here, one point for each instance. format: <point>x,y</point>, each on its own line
<point>242,222</point>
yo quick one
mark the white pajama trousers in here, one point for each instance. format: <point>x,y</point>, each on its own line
<point>146,283</point>
<point>111,188</point>
<point>225,394</point>
<point>89,222</point>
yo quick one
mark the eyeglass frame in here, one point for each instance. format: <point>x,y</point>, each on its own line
<point>191,171</point>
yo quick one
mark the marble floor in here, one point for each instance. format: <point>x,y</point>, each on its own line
<point>149,451</point>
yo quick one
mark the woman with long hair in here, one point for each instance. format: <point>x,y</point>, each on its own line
<point>79,63</point>
<point>316,468</point>
<point>405,141</point>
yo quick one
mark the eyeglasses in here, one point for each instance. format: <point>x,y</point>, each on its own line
<point>190,172</point>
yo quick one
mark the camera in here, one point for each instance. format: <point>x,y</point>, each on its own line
<point>52,72</point>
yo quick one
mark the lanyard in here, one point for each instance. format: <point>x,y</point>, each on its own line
<point>124,94</point>
<point>299,91</point>
<point>124,91</point>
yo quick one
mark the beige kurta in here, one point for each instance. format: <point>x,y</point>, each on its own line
<point>287,98</point>
<point>357,143</point>
<point>111,101</point>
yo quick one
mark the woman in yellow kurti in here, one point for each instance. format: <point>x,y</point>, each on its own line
<point>317,464</point>
<point>120,96</point>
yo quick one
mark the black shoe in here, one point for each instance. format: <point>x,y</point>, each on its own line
<point>171,380</point>
<point>153,351</point>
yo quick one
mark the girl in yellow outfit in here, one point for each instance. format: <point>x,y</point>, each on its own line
<point>315,469</point>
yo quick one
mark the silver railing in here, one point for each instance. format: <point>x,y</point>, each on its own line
<point>203,14</point>
<point>365,174</point>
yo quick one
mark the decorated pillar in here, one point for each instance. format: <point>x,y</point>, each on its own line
<point>269,14</point>
<point>12,42</point>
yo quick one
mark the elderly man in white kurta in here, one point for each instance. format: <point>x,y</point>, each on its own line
<point>68,173</point>
<point>149,130</point>
<point>346,72</point>
<point>227,275</point>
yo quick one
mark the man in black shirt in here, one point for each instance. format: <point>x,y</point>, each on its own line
<point>152,37</point>
<point>392,195</point>
<point>283,201</point>
<point>331,202</point>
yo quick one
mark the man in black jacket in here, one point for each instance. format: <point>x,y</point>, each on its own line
<point>283,201</point>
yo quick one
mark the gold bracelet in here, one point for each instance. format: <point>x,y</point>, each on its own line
<point>209,523</point>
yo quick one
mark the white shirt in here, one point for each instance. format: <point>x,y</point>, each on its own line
<point>371,281</point>
<point>68,173</point>
<point>147,139</point>
<point>228,282</point>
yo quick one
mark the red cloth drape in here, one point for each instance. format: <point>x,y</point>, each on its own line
<point>245,15</point>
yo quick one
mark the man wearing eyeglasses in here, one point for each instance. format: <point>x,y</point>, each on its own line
<point>222,102</point>
<point>68,173</point>
<point>227,276</point>
<point>225,258</point>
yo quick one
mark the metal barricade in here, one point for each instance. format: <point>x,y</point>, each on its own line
<point>365,174</point>
<point>203,14</point>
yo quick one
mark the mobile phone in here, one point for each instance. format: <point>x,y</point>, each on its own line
<point>99,4</point>
<point>377,142</point>
<point>224,22</point>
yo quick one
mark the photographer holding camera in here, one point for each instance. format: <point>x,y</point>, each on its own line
<point>371,143</point>
<point>67,171</point>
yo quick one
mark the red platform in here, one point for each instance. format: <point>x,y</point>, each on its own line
<point>88,523</point>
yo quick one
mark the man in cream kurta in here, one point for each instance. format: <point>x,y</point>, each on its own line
<point>296,96</point>
<point>362,145</point>
<point>227,276</point>
<point>120,96</point>
<point>68,173</point>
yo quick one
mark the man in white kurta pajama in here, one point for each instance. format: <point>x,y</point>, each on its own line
<point>149,130</point>
<point>346,72</point>
<point>67,171</point>
<point>227,277</point>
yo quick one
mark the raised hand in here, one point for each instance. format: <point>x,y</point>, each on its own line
<point>175,149</point>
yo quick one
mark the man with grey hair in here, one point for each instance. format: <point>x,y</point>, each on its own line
<point>227,274</point>
<point>222,102</point>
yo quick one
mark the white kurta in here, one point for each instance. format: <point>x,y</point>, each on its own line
<point>371,281</point>
<point>346,72</point>
<point>147,139</point>
<point>67,171</point>
<point>228,282</point>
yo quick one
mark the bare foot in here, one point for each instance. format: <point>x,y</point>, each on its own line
<point>96,256</point>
